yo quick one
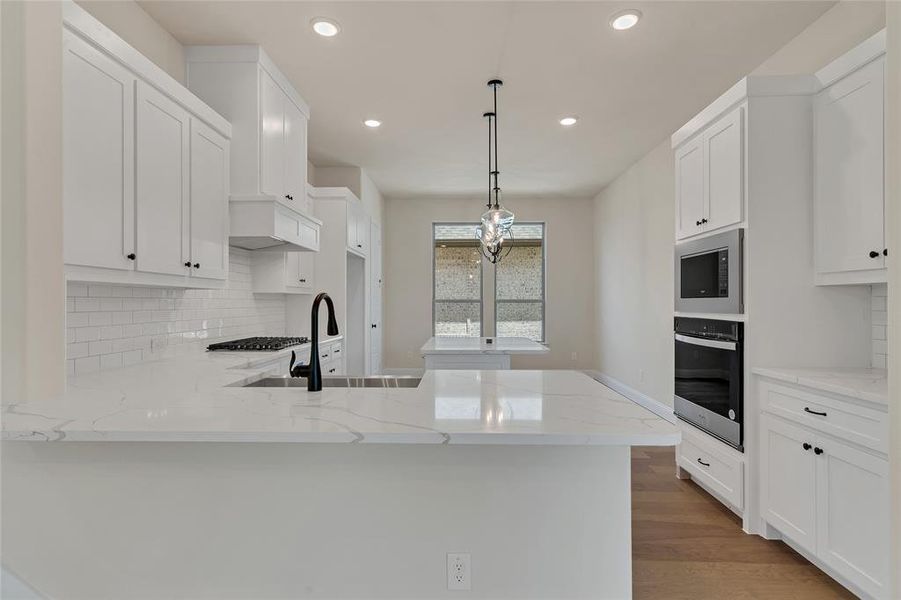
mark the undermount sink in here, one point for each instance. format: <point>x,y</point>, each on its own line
<point>386,381</point>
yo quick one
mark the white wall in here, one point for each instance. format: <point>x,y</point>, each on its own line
<point>132,24</point>
<point>634,224</point>
<point>357,181</point>
<point>32,270</point>
<point>893,197</point>
<point>408,275</point>
<point>651,182</point>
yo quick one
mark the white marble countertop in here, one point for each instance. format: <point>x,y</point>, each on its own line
<point>499,345</point>
<point>870,385</point>
<point>200,398</point>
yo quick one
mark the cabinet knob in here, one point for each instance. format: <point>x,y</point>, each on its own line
<point>374,325</point>
<point>196,265</point>
<point>817,451</point>
<point>289,196</point>
<point>331,370</point>
<point>885,252</point>
<point>698,223</point>
<point>302,280</point>
<point>703,221</point>
<point>131,256</point>
<point>806,446</point>
<point>188,264</point>
<point>359,245</point>
<point>874,254</point>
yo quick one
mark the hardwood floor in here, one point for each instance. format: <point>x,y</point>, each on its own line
<point>687,545</point>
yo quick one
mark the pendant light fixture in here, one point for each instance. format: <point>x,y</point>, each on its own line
<point>497,221</point>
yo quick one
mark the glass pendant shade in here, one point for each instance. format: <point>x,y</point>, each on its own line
<point>498,219</point>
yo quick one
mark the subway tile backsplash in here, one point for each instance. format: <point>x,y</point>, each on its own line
<point>879,298</point>
<point>109,326</point>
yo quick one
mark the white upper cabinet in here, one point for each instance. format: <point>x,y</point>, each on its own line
<point>149,198</point>
<point>724,166</point>
<point>689,188</point>
<point>710,177</point>
<point>163,128</point>
<point>269,145</point>
<point>272,136</point>
<point>98,186</point>
<point>209,202</point>
<point>849,200</point>
<point>357,227</point>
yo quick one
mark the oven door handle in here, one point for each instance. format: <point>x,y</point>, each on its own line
<point>707,343</point>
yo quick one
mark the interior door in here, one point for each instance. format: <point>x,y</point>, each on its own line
<point>295,154</point>
<point>849,196</point>
<point>852,515</point>
<point>209,202</point>
<point>689,188</point>
<point>724,159</point>
<point>272,137</point>
<point>375,302</point>
<point>162,183</point>
<point>98,185</point>
<point>788,485</point>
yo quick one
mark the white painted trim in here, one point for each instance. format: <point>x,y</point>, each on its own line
<point>247,53</point>
<point>780,85</point>
<point>655,406</point>
<point>82,24</point>
<point>865,52</point>
<point>332,193</point>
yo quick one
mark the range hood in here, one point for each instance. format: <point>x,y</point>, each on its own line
<point>269,224</point>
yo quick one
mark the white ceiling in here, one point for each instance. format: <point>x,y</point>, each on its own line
<point>421,68</point>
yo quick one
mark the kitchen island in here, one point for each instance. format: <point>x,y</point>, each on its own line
<point>448,352</point>
<point>172,479</point>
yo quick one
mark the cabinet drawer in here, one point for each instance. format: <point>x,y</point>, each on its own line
<point>717,470</point>
<point>852,422</point>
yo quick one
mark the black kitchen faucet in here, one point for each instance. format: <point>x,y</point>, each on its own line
<point>312,371</point>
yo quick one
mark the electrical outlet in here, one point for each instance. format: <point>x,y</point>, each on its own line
<point>459,573</point>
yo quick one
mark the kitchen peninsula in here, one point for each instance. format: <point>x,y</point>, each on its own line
<point>350,492</point>
<point>453,352</point>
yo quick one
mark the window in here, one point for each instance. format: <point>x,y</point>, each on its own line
<point>457,278</point>
<point>516,284</point>
<point>519,285</point>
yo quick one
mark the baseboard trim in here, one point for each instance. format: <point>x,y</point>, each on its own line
<point>655,406</point>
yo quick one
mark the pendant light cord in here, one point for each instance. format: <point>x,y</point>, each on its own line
<point>496,170</point>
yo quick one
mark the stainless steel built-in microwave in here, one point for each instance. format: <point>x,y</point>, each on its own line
<point>708,274</point>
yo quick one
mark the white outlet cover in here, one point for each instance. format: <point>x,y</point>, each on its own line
<point>459,571</point>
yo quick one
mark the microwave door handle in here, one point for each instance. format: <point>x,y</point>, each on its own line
<point>719,344</point>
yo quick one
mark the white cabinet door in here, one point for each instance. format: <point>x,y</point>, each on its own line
<point>272,136</point>
<point>98,158</point>
<point>299,268</point>
<point>724,166</point>
<point>375,301</point>
<point>209,202</point>
<point>362,222</point>
<point>853,515</point>
<point>352,231</point>
<point>848,188</point>
<point>788,485</point>
<point>162,183</point>
<point>689,188</point>
<point>295,154</point>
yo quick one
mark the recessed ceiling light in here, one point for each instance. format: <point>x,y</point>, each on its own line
<point>568,121</point>
<point>372,123</point>
<point>325,27</point>
<point>626,19</point>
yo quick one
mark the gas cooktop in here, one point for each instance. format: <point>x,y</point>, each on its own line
<point>259,343</point>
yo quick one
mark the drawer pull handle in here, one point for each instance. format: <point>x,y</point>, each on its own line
<point>703,463</point>
<point>806,446</point>
<point>813,412</point>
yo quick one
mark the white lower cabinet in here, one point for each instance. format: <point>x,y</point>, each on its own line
<point>828,497</point>
<point>717,467</point>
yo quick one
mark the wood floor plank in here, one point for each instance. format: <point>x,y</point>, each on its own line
<point>686,545</point>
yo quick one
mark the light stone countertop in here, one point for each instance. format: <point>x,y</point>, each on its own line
<point>200,398</point>
<point>870,385</point>
<point>471,345</point>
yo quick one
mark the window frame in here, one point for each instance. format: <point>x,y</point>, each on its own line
<point>543,299</point>
<point>481,300</point>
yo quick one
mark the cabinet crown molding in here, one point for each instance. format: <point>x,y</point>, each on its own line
<point>865,52</point>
